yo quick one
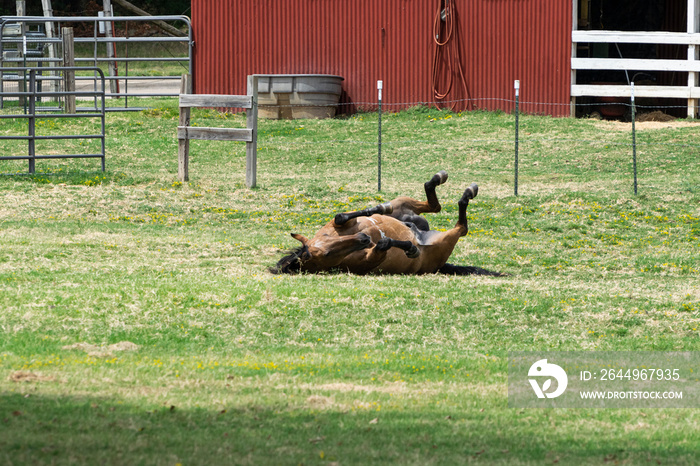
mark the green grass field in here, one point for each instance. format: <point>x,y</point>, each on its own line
<point>140,324</point>
<point>152,50</point>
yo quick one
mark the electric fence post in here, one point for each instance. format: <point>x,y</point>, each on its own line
<point>380,85</point>
<point>517,123</point>
<point>634,139</point>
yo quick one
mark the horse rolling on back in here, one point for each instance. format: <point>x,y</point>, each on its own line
<point>391,238</point>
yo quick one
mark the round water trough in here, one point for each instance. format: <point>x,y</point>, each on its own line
<point>292,96</point>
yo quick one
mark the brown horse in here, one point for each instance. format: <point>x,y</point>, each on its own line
<point>391,238</point>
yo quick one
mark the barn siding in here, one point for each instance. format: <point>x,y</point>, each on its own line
<point>391,40</point>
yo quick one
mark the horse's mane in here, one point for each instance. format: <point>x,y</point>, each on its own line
<point>291,263</point>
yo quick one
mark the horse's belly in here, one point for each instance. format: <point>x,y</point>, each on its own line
<point>381,226</point>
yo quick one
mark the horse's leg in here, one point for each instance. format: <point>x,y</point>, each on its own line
<point>460,229</point>
<point>373,258</point>
<point>408,247</point>
<point>469,193</point>
<point>437,179</point>
<point>463,228</point>
<point>437,247</point>
<point>409,210</point>
<point>382,209</point>
<point>403,208</point>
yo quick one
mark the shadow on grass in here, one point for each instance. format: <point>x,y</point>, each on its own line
<point>40,429</point>
<point>76,178</point>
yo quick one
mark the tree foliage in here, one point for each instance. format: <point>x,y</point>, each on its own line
<point>89,7</point>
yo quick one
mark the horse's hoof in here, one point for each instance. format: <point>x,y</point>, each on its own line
<point>413,252</point>
<point>340,219</point>
<point>385,209</point>
<point>471,191</point>
<point>437,179</point>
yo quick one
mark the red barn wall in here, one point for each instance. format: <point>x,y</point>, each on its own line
<point>364,41</point>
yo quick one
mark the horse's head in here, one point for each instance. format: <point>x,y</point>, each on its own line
<point>321,253</point>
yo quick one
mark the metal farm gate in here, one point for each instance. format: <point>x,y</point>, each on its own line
<point>27,41</point>
<point>27,105</point>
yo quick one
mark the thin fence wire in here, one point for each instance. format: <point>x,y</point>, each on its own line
<point>527,142</point>
<point>444,104</point>
<point>412,142</point>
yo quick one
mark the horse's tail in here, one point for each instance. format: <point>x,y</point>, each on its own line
<point>451,269</point>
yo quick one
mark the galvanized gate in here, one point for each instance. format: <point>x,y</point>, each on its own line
<point>27,105</point>
<point>23,43</point>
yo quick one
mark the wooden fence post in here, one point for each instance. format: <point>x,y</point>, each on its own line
<point>111,48</point>
<point>22,84</point>
<point>251,147</point>
<point>69,76</point>
<point>50,34</point>
<point>183,151</point>
<point>185,132</point>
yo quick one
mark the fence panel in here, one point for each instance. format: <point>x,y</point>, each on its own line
<point>27,106</point>
<point>24,49</point>
<point>185,132</point>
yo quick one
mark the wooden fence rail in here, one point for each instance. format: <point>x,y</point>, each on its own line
<point>690,64</point>
<point>185,132</point>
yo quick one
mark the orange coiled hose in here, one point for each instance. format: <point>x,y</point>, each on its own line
<point>447,61</point>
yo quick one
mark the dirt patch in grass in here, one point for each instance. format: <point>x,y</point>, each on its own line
<point>320,402</point>
<point>393,388</point>
<point>102,351</point>
<point>645,125</point>
<point>26,376</point>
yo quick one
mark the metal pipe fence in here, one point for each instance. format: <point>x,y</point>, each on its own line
<point>18,48</point>
<point>27,106</point>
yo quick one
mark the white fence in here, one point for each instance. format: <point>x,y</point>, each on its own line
<point>690,65</point>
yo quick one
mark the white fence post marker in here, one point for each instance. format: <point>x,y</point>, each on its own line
<point>380,86</point>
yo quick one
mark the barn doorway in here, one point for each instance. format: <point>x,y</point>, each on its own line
<point>662,57</point>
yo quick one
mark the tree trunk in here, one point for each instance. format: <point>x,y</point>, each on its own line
<point>161,24</point>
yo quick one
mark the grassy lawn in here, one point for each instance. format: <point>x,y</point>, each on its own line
<point>140,324</point>
<point>152,50</point>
